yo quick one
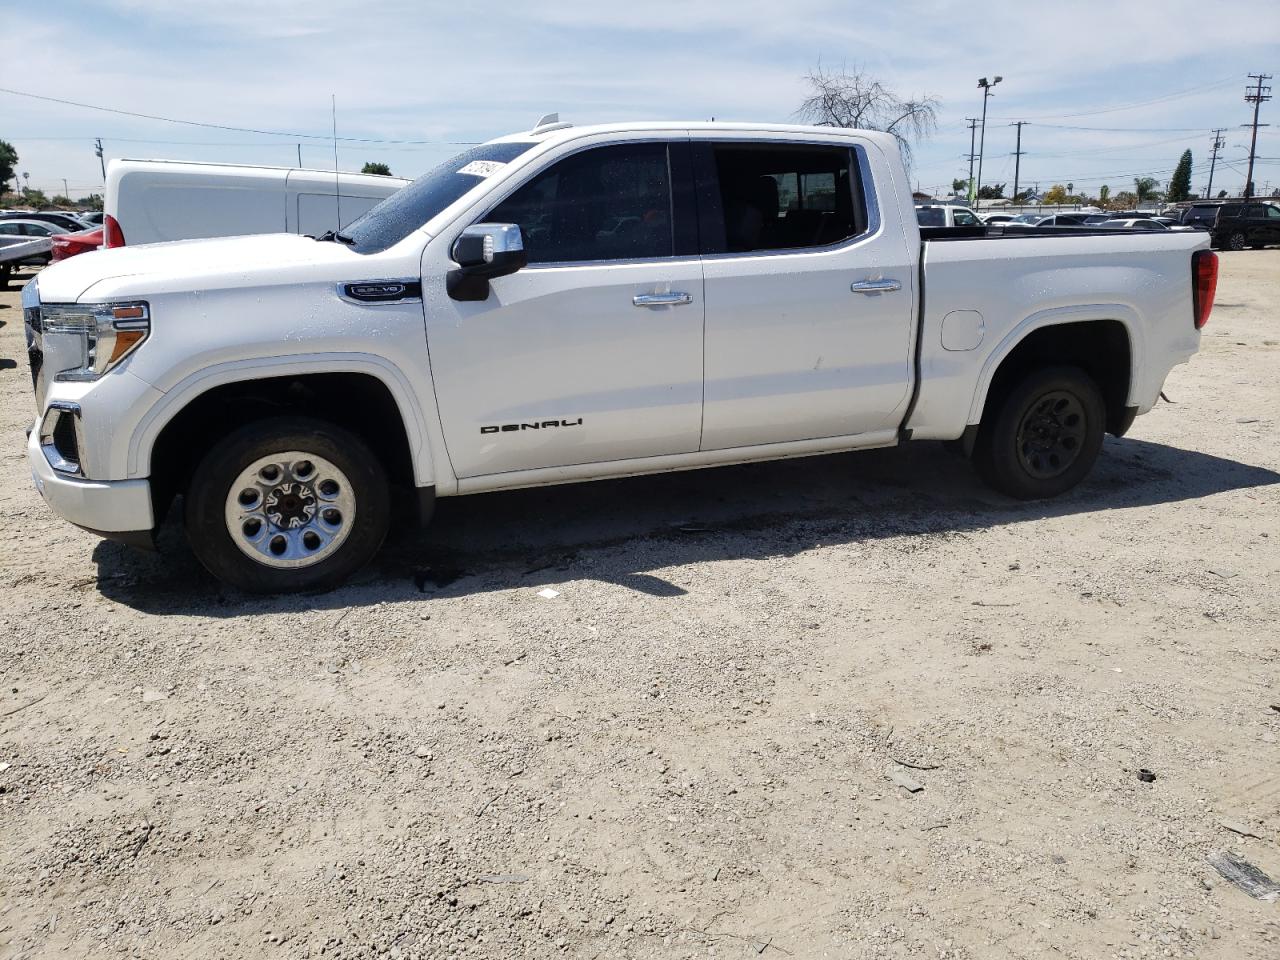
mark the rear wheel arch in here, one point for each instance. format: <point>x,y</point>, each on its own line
<point>1102,344</point>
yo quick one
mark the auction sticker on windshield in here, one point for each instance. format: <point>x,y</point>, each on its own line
<point>482,168</point>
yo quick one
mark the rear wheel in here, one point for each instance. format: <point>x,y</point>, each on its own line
<point>287,504</point>
<point>1237,241</point>
<point>1044,436</point>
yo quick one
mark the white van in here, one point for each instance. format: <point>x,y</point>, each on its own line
<point>151,201</point>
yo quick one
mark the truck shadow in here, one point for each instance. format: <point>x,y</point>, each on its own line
<point>625,531</point>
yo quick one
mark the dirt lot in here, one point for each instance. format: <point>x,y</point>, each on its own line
<point>694,749</point>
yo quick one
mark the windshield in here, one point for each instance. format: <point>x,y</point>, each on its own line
<point>406,210</point>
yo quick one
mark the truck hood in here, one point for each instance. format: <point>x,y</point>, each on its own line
<point>185,265</point>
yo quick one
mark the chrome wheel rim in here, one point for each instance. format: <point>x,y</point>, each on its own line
<point>291,509</point>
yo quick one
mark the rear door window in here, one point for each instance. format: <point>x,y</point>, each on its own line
<point>777,196</point>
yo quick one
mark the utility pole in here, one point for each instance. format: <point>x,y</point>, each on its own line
<point>65,192</point>
<point>973,130</point>
<point>986,88</point>
<point>101,161</point>
<point>299,156</point>
<point>1017,158</point>
<point>1218,144</point>
<point>1257,95</point>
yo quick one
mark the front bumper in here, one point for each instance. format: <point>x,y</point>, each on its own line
<point>109,507</point>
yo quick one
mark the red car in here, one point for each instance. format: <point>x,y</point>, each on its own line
<point>69,244</point>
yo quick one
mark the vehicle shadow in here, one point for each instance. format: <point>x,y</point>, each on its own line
<point>624,531</point>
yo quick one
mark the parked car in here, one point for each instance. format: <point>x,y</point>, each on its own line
<point>31,228</point>
<point>1201,215</point>
<point>1135,223</point>
<point>282,384</point>
<point>150,201</point>
<point>1027,219</point>
<point>945,215</point>
<point>15,250</point>
<point>71,244</point>
<point>67,221</point>
<point>1251,224</point>
<point>996,218</point>
<point>1049,220</point>
<point>93,217</point>
<point>1145,223</point>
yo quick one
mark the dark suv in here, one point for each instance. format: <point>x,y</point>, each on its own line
<point>1237,225</point>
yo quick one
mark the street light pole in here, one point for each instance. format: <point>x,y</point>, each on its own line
<point>986,88</point>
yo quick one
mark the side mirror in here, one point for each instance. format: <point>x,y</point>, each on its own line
<point>482,252</point>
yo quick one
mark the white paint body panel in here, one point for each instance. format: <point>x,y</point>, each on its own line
<point>774,356</point>
<point>156,201</point>
<point>792,353</point>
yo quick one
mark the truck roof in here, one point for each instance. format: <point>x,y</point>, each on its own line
<point>556,131</point>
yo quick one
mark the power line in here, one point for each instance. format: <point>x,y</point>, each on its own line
<point>1164,98</point>
<point>222,126</point>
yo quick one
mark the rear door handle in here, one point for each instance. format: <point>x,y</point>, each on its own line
<point>875,286</point>
<point>661,299</point>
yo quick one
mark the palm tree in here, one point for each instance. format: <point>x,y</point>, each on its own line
<point>1145,188</point>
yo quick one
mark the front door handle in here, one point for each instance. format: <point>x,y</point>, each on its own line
<point>661,299</point>
<point>875,286</point>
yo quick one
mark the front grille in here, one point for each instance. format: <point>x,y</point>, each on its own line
<point>35,355</point>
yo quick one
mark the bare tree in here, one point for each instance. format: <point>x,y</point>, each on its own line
<point>841,98</point>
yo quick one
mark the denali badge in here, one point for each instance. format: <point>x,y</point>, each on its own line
<point>536,425</point>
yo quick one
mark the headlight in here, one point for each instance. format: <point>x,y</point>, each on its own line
<point>84,341</point>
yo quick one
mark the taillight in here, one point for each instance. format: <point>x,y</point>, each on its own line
<point>1204,284</point>
<point>112,234</point>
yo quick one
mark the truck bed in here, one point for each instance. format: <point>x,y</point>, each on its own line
<point>998,231</point>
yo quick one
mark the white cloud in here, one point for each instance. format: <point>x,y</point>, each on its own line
<point>414,70</point>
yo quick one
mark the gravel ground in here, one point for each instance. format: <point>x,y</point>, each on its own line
<point>706,743</point>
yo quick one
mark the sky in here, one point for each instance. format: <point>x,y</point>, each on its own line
<point>1111,90</point>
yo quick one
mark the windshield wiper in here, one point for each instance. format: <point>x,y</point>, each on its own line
<point>336,236</point>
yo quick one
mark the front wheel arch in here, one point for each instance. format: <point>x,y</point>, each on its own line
<point>358,402</point>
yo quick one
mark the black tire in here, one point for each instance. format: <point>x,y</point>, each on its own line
<point>6,271</point>
<point>1237,241</point>
<point>1043,437</point>
<point>207,504</point>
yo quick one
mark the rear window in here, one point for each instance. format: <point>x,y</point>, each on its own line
<point>931,217</point>
<point>785,196</point>
<point>406,210</point>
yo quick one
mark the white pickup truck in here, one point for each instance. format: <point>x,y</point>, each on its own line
<point>577,303</point>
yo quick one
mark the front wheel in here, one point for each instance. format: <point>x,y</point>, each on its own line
<point>1044,436</point>
<point>287,504</point>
